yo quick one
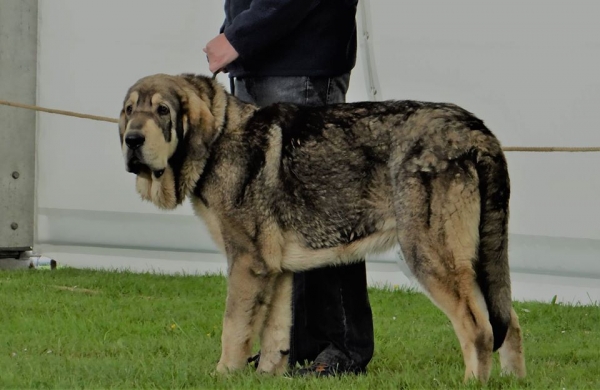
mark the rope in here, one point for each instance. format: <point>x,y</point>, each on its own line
<point>60,112</point>
<point>113,120</point>
<point>550,149</point>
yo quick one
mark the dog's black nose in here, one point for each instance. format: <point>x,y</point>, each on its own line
<point>134,140</point>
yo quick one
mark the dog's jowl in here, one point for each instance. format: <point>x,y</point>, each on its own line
<point>287,188</point>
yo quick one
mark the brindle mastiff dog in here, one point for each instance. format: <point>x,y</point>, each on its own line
<point>287,188</point>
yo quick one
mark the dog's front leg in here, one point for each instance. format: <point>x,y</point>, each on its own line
<point>248,291</point>
<point>275,336</point>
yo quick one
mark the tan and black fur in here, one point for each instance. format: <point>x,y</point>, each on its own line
<point>286,188</point>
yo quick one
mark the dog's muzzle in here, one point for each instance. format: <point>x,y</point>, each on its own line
<point>136,166</point>
<point>134,142</point>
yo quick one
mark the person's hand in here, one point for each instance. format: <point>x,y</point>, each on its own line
<point>219,53</point>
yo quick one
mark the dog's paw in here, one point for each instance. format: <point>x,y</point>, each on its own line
<point>273,363</point>
<point>224,367</point>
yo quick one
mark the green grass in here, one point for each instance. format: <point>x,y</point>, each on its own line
<point>88,329</point>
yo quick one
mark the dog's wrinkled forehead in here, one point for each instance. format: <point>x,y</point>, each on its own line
<point>148,93</point>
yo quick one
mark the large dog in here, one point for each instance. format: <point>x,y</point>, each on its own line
<point>287,188</point>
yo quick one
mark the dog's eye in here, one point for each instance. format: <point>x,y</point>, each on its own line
<point>129,109</point>
<point>162,110</point>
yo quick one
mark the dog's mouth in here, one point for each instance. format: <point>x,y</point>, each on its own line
<point>135,166</point>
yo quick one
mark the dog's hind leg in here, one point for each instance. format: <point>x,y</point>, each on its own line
<point>249,291</point>
<point>438,218</point>
<point>464,306</point>
<point>512,359</point>
<point>275,335</point>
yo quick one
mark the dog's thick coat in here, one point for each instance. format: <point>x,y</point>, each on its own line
<point>286,188</point>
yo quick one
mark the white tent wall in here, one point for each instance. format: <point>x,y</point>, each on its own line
<point>528,69</point>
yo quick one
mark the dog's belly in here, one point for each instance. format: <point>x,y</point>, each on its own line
<point>299,257</point>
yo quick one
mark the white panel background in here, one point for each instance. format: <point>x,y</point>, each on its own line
<point>529,69</point>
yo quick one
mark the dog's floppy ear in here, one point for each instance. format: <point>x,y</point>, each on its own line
<point>199,131</point>
<point>198,124</point>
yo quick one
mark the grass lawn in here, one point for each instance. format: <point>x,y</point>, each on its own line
<point>72,328</point>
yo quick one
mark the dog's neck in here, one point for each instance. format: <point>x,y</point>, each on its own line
<point>230,117</point>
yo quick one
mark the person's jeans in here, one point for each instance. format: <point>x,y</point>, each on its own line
<point>332,319</point>
<point>314,91</point>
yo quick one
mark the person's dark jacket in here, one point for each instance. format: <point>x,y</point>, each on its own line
<point>291,37</point>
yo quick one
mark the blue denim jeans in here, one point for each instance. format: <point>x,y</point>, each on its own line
<point>332,319</point>
<point>299,90</point>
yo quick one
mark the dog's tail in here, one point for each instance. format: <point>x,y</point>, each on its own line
<point>492,268</point>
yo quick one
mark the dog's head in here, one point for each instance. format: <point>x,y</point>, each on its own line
<point>165,128</point>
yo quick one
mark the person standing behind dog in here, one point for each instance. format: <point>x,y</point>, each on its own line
<point>303,52</point>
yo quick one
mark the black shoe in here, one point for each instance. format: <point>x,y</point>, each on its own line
<point>327,370</point>
<point>317,369</point>
<point>331,362</point>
